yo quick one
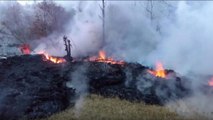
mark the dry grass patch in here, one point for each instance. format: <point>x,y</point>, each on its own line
<point>99,108</point>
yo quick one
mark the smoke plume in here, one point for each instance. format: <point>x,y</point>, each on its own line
<point>177,33</point>
<point>79,82</point>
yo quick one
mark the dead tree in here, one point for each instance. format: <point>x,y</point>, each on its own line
<point>103,19</point>
<point>67,48</point>
<point>149,9</point>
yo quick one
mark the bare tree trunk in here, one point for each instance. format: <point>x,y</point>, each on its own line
<point>103,19</point>
<point>149,9</point>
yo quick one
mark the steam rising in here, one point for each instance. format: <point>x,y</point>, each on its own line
<point>179,36</point>
<point>197,105</point>
<point>79,82</point>
<point>176,33</point>
<point>188,40</point>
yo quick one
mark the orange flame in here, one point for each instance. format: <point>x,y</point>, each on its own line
<point>52,59</point>
<point>25,49</point>
<point>159,71</point>
<point>102,55</point>
<point>210,83</point>
<point>102,58</point>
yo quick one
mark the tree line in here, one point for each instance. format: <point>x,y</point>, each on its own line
<point>34,21</point>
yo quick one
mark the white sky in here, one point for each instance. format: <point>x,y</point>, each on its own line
<point>63,3</point>
<point>24,2</point>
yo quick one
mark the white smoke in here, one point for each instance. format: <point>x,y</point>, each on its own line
<point>84,30</point>
<point>188,40</point>
<point>179,34</point>
<point>176,33</point>
<point>79,82</point>
<point>197,106</point>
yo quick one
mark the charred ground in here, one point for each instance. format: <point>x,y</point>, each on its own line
<point>34,88</point>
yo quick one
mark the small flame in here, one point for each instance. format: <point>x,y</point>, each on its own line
<point>25,49</point>
<point>52,59</point>
<point>159,71</point>
<point>210,83</point>
<point>102,58</point>
<point>102,55</point>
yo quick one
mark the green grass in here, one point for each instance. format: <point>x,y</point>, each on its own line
<point>99,108</point>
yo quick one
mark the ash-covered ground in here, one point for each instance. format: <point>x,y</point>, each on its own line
<point>33,88</point>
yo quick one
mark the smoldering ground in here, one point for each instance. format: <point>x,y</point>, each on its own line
<point>79,81</point>
<point>179,36</point>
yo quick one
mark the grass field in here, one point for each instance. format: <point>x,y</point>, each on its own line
<point>98,108</point>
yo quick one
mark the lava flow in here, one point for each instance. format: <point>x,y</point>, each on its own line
<point>102,58</point>
<point>159,71</point>
<point>25,49</point>
<point>51,58</point>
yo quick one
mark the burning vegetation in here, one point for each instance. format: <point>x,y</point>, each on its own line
<point>56,60</point>
<point>25,49</point>
<point>210,83</point>
<point>103,58</point>
<point>44,84</point>
<point>159,70</point>
<point>104,76</point>
<point>49,83</point>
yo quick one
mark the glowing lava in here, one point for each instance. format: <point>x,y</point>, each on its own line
<point>210,83</point>
<point>102,58</point>
<point>52,59</point>
<point>25,49</point>
<point>159,71</point>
